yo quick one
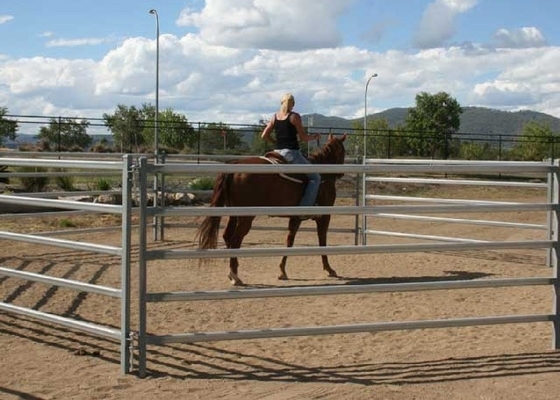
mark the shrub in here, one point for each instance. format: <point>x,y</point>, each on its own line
<point>33,183</point>
<point>65,183</point>
<point>102,148</point>
<point>66,223</point>
<point>202,183</point>
<point>4,169</point>
<point>103,184</point>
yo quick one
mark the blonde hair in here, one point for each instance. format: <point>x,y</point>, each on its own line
<point>287,103</point>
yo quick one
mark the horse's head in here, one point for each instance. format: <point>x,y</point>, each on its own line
<point>336,145</point>
<point>333,152</point>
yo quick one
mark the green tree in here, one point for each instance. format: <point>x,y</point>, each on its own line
<point>259,146</point>
<point>376,138</point>
<point>432,123</point>
<point>127,126</point>
<point>219,138</point>
<point>378,143</point>
<point>65,134</point>
<point>8,127</point>
<point>473,151</point>
<point>394,143</point>
<point>174,130</point>
<point>535,142</point>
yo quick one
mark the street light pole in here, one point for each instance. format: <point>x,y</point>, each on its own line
<point>156,131</point>
<point>365,112</point>
<point>156,119</point>
<point>363,175</point>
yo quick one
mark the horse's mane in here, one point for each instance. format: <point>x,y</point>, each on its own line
<point>332,153</point>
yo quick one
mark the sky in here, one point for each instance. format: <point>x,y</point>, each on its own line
<point>231,60</point>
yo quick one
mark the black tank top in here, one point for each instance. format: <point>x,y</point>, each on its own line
<point>286,134</point>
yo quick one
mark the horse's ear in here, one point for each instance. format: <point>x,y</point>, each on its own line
<point>331,136</point>
<point>343,137</point>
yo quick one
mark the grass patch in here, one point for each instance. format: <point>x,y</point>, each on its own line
<point>33,183</point>
<point>65,183</point>
<point>102,184</point>
<point>202,183</point>
<point>66,223</point>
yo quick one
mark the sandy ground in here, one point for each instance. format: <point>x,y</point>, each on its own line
<point>43,361</point>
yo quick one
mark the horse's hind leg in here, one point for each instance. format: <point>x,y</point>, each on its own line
<point>322,228</point>
<point>233,262</point>
<point>293,227</point>
<point>237,228</point>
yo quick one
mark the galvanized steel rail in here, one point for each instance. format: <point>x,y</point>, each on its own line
<point>123,168</point>
<point>145,297</point>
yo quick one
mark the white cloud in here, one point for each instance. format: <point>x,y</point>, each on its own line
<point>524,37</point>
<point>5,18</point>
<point>528,81</point>
<point>47,86</point>
<point>32,75</point>
<point>460,5</point>
<point>505,94</point>
<point>214,82</point>
<point>438,22</point>
<point>267,24</point>
<point>75,42</point>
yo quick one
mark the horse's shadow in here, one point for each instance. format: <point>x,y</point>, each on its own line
<point>345,280</point>
<point>449,276</point>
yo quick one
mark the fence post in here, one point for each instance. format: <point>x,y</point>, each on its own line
<point>162,197</point>
<point>364,201</point>
<point>358,201</point>
<point>155,219</point>
<point>126,228</point>
<point>555,251</point>
<point>142,272</point>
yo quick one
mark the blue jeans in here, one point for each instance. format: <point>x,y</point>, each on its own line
<point>313,178</point>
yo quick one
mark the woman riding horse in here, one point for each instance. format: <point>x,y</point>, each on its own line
<point>289,132</point>
<point>269,190</point>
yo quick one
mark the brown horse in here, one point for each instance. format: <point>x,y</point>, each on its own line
<point>269,190</point>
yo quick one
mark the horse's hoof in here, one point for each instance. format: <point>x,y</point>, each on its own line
<point>282,277</point>
<point>332,274</point>
<point>235,281</point>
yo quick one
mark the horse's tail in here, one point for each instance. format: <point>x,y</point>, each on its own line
<point>207,233</point>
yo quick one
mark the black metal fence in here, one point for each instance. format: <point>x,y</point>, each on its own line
<point>213,138</point>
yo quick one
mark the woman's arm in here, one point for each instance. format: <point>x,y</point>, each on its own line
<point>295,119</point>
<point>267,131</point>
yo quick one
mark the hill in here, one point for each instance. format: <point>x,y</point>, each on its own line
<point>474,120</point>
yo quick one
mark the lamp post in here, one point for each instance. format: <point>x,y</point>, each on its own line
<point>156,119</point>
<point>156,130</point>
<point>365,112</point>
<point>363,197</point>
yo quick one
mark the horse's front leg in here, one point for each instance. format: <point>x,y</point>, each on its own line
<point>293,227</point>
<point>322,228</point>
<point>232,276</point>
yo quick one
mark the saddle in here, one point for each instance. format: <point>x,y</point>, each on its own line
<point>274,158</point>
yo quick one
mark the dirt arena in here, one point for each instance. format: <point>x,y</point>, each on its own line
<point>42,361</point>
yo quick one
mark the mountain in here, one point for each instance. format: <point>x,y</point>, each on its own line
<point>474,121</point>
<point>26,139</point>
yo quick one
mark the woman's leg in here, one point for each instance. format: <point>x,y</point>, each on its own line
<point>313,178</point>
<point>313,183</point>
